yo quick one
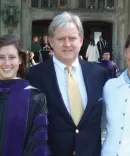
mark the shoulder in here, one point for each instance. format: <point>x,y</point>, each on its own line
<point>111,83</point>
<point>96,67</point>
<point>94,70</point>
<point>34,71</point>
<point>115,82</point>
<point>38,101</point>
<point>35,93</point>
<point>110,91</point>
<point>40,66</point>
<point>36,67</point>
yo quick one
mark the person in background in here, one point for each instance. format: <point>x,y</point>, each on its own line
<point>116,95</point>
<point>101,44</point>
<point>23,108</point>
<point>112,68</point>
<point>92,53</point>
<point>31,59</point>
<point>45,48</point>
<point>73,88</point>
<point>36,48</point>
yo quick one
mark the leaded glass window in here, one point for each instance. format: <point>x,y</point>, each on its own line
<point>53,3</point>
<point>63,3</point>
<point>82,3</point>
<point>44,3</point>
<point>34,3</point>
<point>101,4</point>
<point>91,4</point>
<point>110,3</point>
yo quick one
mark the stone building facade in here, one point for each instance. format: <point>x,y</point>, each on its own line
<point>115,13</point>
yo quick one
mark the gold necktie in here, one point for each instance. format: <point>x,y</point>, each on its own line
<point>76,105</point>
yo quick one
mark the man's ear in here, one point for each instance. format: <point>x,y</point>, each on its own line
<point>81,39</point>
<point>50,41</point>
<point>125,51</point>
<point>20,60</point>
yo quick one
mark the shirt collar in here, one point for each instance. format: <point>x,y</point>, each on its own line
<point>62,66</point>
<point>121,80</point>
<point>126,77</point>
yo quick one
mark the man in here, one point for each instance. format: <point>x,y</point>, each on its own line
<point>112,68</point>
<point>101,44</point>
<point>45,48</point>
<point>74,97</point>
<point>35,48</point>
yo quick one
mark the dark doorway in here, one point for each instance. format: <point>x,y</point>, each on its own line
<point>40,27</point>
<point>90,27</point>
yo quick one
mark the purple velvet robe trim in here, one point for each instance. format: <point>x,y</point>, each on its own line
<point>41,120</point>
<point>41,135</point>
<point>4,90</point>
<point>17,119</point>
<point>42,149</point>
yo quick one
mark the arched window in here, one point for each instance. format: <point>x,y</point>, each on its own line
<point>63,3</point>
<point>82,3</point>
<point>91,4</point>
<point>101,4</point>
<point>110,3</point>
<point>53,3</point>
<point>34,3</point>
<point>44,3</point>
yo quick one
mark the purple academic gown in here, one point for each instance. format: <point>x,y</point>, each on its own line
<point>14,121</point>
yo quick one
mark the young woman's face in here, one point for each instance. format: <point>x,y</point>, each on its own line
<point>9,62</point>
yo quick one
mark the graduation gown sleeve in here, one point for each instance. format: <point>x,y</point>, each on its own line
<point>36,135</point>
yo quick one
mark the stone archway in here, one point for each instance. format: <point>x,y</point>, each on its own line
<point>96,26</point>
<point>40,27</point>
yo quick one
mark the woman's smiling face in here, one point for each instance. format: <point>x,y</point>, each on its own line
<point>9,62</point>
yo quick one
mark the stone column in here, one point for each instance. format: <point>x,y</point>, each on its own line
<point>26,24</point>
<point>86,3</point>
<point>49,3</point>
<point>17,30</point>
<point>58,3</point>
<point>39,3</point>
<point>96,4</point>
<point>3,28</point>
<point>73,4</point>
<point>127,18</point>
<point>106,4</point>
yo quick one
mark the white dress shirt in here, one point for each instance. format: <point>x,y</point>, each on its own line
<point>61,75</point>
<point>117,99</point>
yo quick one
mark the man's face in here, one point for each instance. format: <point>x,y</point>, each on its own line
<point>66,43</point>
<point>106,56</point>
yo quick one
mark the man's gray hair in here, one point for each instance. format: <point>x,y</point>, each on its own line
<point>63,20</point>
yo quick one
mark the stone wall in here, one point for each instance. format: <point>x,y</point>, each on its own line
<point>120,20</point>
